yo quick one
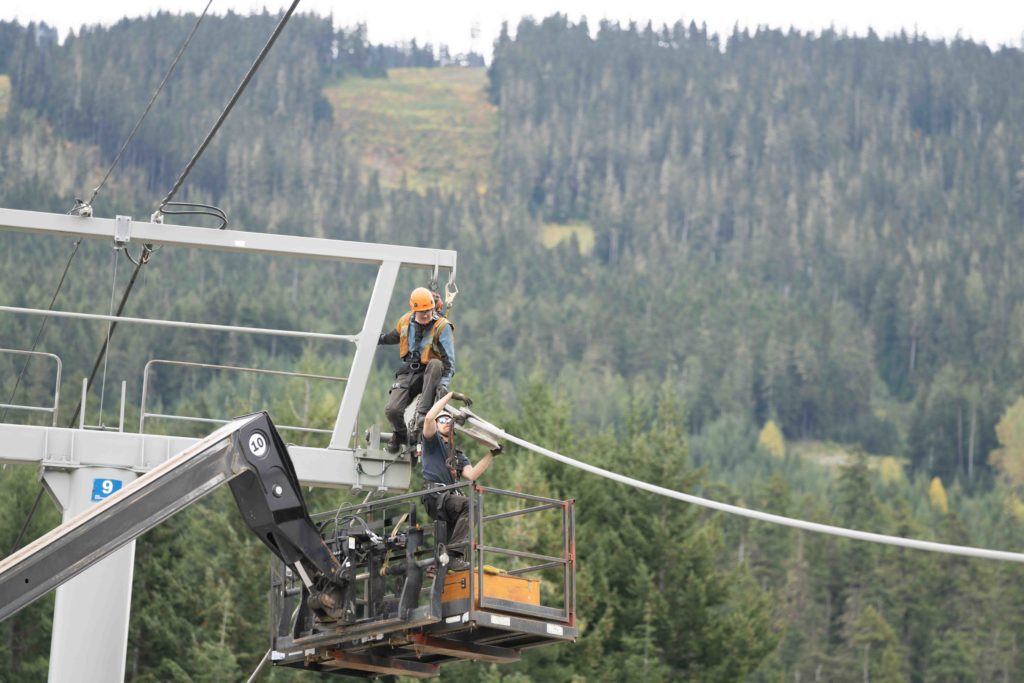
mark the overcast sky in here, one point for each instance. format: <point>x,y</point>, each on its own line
<point>452,22</point>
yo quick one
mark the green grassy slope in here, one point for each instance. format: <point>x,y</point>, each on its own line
<point>5,93</point>
<point>434,126</point>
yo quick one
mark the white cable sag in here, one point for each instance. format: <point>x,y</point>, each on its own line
<point>900,541</point>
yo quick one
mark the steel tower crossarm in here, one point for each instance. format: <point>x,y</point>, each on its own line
<point>388,257</point>
<point>237,241</point>
<point>92,610</point>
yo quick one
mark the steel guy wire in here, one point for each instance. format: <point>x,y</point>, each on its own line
<point>42,328</point>
<point>28,519</point>
<point>146,251</point>
<point>106,344</point>
<point>143,260</point>
<point>28,359</point>
<point>230,105</point>
<point>144,255</point>
<point>149,106</point>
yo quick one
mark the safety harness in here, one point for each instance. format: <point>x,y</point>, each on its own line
<point>433,349</point>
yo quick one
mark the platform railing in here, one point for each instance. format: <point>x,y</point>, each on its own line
<point>537,563</point>
<point>144,414</point>
<point>387,516</point>
<point>52,410</point>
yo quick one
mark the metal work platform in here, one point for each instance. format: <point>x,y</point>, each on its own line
<point>509,599</point>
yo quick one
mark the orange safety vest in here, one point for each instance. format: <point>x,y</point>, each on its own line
<point>433,349</point>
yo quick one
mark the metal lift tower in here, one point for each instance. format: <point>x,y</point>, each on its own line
<point>80,467</point>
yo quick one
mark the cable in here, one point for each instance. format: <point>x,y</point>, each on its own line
<point>106,345</point>
<point>384,468</point>
<point>42,327</point>
<point>24,527</point>
<point>931,546</point>
<point>260,668</point>
<point>197,210</point>
<point>28,359</point>
<point>143,260</point>
<point>147,249</point>
<point>141,252</point>
<point>149,106</point>
<point>231,103</point>
<point>83,207</point>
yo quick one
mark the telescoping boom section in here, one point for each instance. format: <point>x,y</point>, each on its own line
<point>247,453</point>
<point>361,591</point>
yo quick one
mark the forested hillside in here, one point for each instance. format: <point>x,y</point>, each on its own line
<point>804,215</point>
<point>679,255</point>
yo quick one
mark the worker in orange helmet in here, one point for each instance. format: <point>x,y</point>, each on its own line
<point>426,345</point>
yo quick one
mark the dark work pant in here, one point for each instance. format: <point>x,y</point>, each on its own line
<point>454,512</point>
<point>423,383</point>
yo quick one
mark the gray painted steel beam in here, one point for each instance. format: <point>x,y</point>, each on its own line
<point>100,596</point>
<point>237,241</point>
<point>59,448</point>
<point>373,324</point>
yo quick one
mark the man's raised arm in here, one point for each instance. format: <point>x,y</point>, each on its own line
<point>430,419</point>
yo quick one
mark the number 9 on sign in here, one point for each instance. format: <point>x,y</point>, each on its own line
<point>102,488</point>
<point>258,444</point>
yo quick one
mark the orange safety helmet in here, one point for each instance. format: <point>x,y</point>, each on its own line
<point>421,300</point>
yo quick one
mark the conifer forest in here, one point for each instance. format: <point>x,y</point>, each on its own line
<point>771,268</point>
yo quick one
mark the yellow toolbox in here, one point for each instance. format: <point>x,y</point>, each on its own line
<point>496,585</point>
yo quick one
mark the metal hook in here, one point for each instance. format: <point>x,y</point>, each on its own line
<point>437,268</point>
<point>451,290</point>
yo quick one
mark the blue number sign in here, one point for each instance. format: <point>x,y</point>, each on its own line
<point>101,488</point>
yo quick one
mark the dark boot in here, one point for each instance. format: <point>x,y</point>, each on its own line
<point>396,442</point>
<point>457,564</point>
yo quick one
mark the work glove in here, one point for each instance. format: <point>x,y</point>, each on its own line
<point>466,400</point>
<point>497,451</point>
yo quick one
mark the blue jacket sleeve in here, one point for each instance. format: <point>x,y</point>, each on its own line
<point>447,341</point>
